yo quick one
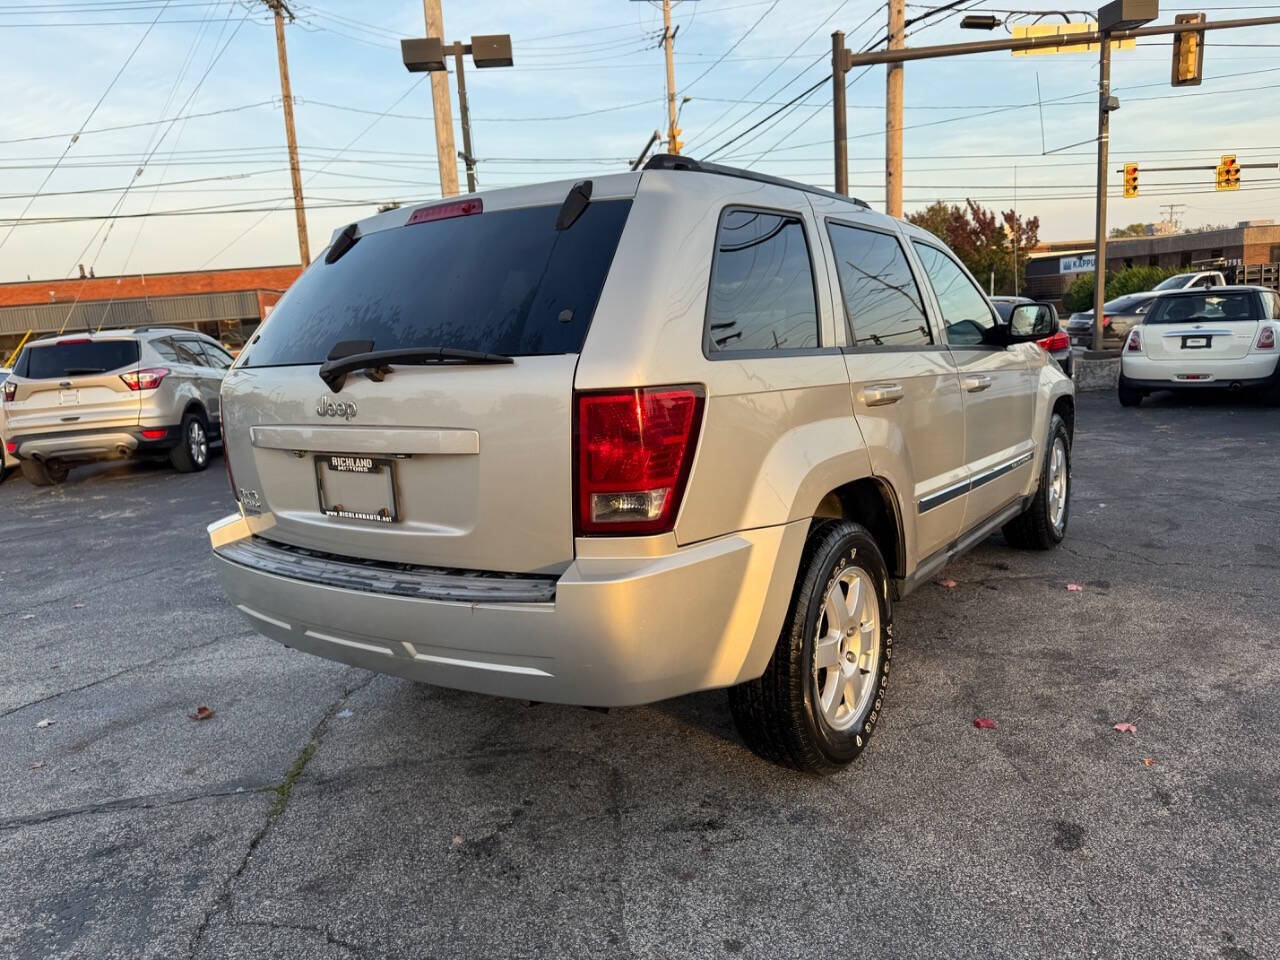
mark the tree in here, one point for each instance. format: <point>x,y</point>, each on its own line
<point>1079,296</point>
<point>1132,230</point>
<point>984,240</point>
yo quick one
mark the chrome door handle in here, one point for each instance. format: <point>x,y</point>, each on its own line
<point>977,383</point>
<point>881,394</point>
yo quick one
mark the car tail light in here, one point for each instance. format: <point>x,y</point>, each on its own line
<point>154,434</point>
<point>1135,341</point>
<point>147,379</point>
<point>1106,321</point>
<point>1059,341</point>
<point>1266,339</point>
<point>634,449</point>
<point>447,211</point>
<point>11,446</point>
<point>74,340</point>
<point>10,390</point>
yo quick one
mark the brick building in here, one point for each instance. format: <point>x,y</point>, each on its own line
<point>1249,243</point>
<point>227,304</point>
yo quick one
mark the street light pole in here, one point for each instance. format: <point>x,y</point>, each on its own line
<point>1105,107</point>
<point>467,157</point>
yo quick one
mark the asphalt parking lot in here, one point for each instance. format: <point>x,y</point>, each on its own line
<point>325,812</point>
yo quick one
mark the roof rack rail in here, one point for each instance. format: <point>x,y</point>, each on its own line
<point>670,161</point>
<point>148,327</point>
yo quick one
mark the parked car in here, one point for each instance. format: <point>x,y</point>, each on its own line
<point>610,442</point>
<point>149,391</point>
<point>1119,316</point>
<point>1202,279</point>
<point>6,459</point>
<point>1193,339</point>
<point>1057,344</point>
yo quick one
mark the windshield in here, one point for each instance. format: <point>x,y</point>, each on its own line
<point>57,361</point>
<point>505,282</point>
<point>1176,282</point>
<point>1198,307</point>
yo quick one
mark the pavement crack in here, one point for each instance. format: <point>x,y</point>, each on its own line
<point>283,791</point>
<point>146,802</point>
<point>330,937</point>
<point>120,673</point>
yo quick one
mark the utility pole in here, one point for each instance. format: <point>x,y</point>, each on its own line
<point>668,45</point>
<point>893,112</point>
<point>1105,106</point>
<point>468,157</point>
<point>441,107</point>
<point>839,67</point>
<point>279,8</point>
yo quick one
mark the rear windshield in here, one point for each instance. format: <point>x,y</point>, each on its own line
<point>72,358</point>
<point>1210,305</point>
<point>505,282</point>
<point>1176,282</point>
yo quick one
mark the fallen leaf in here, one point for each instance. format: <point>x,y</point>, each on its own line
<point>202,713</point>
<point>46,722</point>
<point>457,840</point>
<point>947,582</point>
<point>79,606</point>
<point>37,766</point>
<point>1075,587</point>
<point>1125,728</point>
<point>1148,761</point>
<point>985,723</point>
<point>344,713</point>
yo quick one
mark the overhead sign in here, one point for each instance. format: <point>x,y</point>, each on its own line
<point>1083,264</point>
<point>1064,29</point>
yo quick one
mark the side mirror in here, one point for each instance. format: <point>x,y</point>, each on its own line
<point>1031,321</point>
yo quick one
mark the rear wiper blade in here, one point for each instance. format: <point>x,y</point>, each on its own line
<point>378,362</point>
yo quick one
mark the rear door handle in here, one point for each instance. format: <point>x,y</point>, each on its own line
<point>881,394</point>
<point>977,383</point>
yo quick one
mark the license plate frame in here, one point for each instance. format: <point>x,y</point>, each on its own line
<point>346,464</point>
<point>1197,343</point>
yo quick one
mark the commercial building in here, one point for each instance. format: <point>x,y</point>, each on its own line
<point>228,304</point>
<point>1054,267</point>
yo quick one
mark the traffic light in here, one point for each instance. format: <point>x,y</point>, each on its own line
<point>1188,52</point>
<point>1130,180</point>
<point>1228,172</point>
<point>674,143</point>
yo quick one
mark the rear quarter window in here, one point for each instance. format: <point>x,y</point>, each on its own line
<point>502,282</point>
<point>71,358</point>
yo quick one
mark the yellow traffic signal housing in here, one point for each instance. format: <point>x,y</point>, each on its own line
<point>1130,180</point>
<point>1228,172</point>
<point>674,143</point>
<point>1188,52</point>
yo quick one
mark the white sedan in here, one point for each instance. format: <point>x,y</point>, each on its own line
<point>1222,337</point>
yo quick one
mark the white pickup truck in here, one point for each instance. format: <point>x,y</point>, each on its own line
<point>1188,281</point>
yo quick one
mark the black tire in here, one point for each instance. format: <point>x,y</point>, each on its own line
<point>191,455</point>
<point>1034,529</point>
<point>1129,397</point>
<point>44,473</point>
<point>779,715</point>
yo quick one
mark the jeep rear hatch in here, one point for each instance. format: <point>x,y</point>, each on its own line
<point>74,383</point>
<point>441,433</point>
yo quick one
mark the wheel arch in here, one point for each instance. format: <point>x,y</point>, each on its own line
<point>872,502</point>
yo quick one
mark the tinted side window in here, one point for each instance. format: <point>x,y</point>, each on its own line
<point>189,352</point>
<point>965,310</point>
<point>761,295</point>
<point>166,349</point>
<point>218,357</point>
<point>881,300</point>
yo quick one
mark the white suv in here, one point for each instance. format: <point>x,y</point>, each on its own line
<point>615,441</point>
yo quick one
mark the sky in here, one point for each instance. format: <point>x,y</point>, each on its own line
<point>191,88</point>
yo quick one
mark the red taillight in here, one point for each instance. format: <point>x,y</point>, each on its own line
<point>147,379</point>
<point>154,434</point>
<point>1135,341</point>
<point>1106,321</point>
<point>11,446</point>
<point>10,390</point>
<point>634,449</point>
<point>1266,338</point>
<point>1059,341</point>
<point>447,211</point>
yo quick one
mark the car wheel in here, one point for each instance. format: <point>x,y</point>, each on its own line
<point>817,704</point>
<point>1129,397</point>
<point>192,452</point>
<point>44,473</point>
<point>1044,523</point>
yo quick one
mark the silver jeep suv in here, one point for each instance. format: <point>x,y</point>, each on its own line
<point>82,397</point>
<point>614,441</point>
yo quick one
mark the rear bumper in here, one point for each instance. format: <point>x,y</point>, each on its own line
<point>1143,373</point>
<point>98,443</point>
<point>612,631</point>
